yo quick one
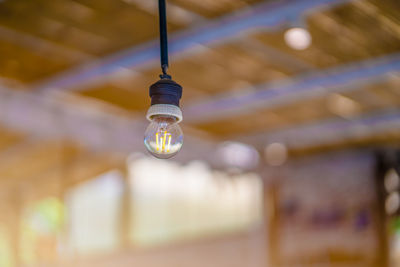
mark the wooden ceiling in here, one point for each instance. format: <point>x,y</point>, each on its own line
<point>40,39</point>
<point>47,40</point>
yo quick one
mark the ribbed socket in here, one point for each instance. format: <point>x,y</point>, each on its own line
<point>164,109</point>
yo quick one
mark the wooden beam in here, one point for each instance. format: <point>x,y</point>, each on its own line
<point>42,46</point>
<point>264,15</point>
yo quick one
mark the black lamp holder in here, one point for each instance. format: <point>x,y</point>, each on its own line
<point>164,91</point>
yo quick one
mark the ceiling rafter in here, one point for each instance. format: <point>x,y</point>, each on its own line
<point>338,79</point>
<point>42,46</point>
<point>331,131</point>
<point>175,13</point>
<point>264,15</point>
<point>50,117</point>
<point>270,53</point>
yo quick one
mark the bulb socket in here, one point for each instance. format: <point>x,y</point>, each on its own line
<point>166,110</point>
<point>165,91</point>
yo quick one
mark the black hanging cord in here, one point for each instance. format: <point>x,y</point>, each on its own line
<point>163,38</point>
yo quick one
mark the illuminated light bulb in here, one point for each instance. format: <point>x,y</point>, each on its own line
<point>298,38</point>
<point>163,138</point>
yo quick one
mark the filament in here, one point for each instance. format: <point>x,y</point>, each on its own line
<point>169,143</point>
<point>164,140</point>
<point>157,145</point>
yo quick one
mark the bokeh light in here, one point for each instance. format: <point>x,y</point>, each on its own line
<point>298,38</point>
<point>276,154</point>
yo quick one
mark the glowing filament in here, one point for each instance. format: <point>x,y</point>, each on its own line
<point>164,139</point>
<point>157,145</point>
<point>169,143</point>
<point>162,145</point>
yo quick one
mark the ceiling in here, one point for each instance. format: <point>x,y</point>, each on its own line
<point>89,64</point>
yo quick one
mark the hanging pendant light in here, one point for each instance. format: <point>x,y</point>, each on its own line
<point>297,35</point>
<point>163,138</point>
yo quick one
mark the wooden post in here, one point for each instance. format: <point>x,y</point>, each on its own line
<point>383,249</point>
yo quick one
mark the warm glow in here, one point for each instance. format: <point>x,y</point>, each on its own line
<point>163,137</point>
<point>298,38</point>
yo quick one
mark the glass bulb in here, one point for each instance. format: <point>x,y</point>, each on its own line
<point>163,138</point>
<point>298,38</point>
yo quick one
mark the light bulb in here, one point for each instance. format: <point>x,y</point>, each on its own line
<point>163,138</point>
<point>298,38</point>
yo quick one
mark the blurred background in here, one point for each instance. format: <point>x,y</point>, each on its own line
<point>291,122</point>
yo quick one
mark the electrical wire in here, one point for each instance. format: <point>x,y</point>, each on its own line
<point>163,39</point>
